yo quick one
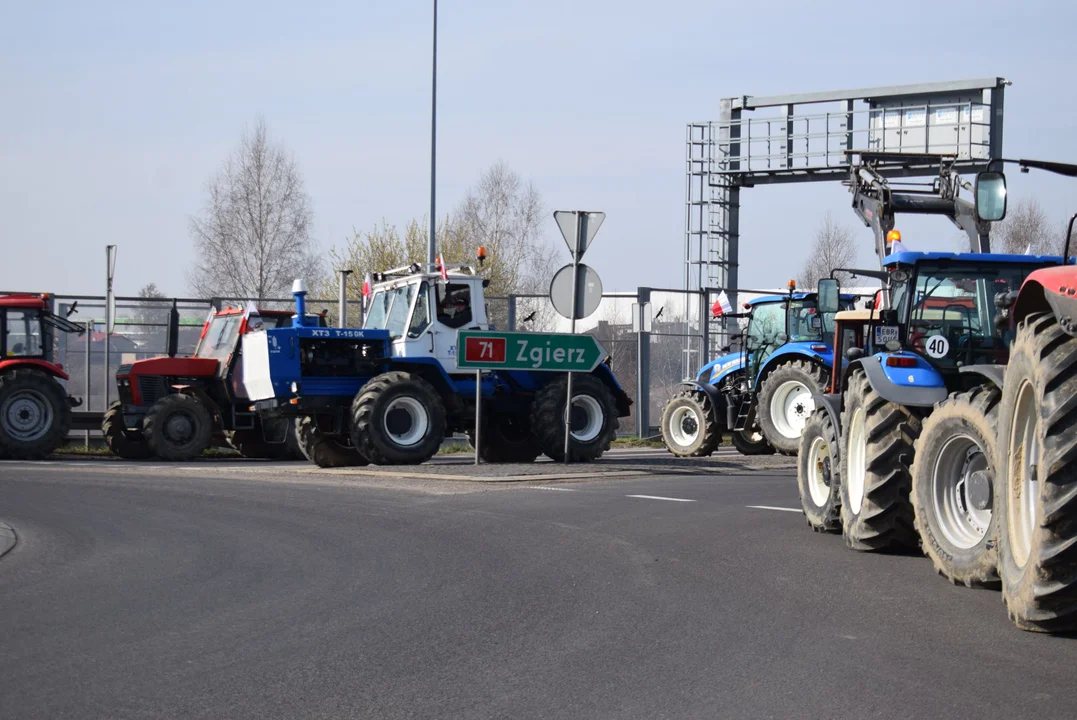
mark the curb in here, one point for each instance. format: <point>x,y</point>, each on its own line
<point>7,538</point>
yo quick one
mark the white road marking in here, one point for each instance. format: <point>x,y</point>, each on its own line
<point>558,489</point>
<point>658,497</point>
<point>771,507</point>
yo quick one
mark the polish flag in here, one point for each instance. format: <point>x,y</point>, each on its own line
<point>250,318</point>
<point>444,269</point>
<point>366,285</point>
<point>721,306</point>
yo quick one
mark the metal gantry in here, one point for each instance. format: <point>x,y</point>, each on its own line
<point>812,137</point>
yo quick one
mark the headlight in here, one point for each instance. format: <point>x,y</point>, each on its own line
<point>295,387</point>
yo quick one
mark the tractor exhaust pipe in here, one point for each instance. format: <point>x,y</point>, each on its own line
<point>299,290</point>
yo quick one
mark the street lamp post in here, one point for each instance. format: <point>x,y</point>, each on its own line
<point>432,239</point>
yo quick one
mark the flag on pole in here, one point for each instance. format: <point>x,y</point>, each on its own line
<point>205,326</point>
<point>1028,250</point>
<point>251,318</point>
<point>721,306</point>
<point>366,285</point>
<point>444,269</point>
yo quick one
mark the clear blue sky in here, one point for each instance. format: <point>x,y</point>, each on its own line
<point>113,115</point>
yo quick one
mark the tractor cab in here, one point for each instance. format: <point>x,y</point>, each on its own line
<point>423,311</point>
<point>947,307</point>
<point>27,328</point>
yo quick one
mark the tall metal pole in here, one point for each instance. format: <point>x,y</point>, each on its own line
<point>110,255</point>
<point>432,239</point>
<point>581,218</point>
<point>86,382</point>
<point>342,313</point>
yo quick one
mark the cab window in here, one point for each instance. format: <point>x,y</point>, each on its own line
<point>398,311</point>
<point>221,337</point>
<point>454,305</point>
<point>420,317</point>
<point>23,334</point>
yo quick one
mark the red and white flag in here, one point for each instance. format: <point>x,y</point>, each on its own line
<point>444,269</point>
<point>366,285</point>
<point>251,318</point>
<point>721,306</point>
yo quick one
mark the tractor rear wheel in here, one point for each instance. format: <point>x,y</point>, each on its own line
<point>785,402</point>
<point>35,415</point>
<point>325,450</point>
<point>1036,483</point>
<point>398,419</point>
<point>593,420</point>
<point>507,439</point>
<point>123,443</point>
<point>818,480</point>
<point>751,442</point>
<point>688,426</point>
<point>875,510</point>
<point>178,427</point>
<point>951,486</point>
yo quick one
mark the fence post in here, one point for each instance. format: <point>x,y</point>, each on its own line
<point>172,340</point>
<point>86,380</point>
<point>511,320</point>
<point>643,367</point>
<point>704,327</point>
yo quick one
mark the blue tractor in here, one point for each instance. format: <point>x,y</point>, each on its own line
<point>391,392</point>
<point>762,394</point>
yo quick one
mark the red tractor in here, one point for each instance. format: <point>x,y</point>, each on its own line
<point>176,407</point>
<point>35,409</point>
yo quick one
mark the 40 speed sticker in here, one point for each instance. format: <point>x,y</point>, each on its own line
<point>937,346</point>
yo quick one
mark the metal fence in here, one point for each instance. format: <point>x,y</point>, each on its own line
<point>655,337</point>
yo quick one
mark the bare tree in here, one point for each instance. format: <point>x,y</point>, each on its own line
<point>253,237</point>
<point>1025,229</point>
<point>834,247</point>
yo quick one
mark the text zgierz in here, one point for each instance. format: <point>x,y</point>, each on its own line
<point>536,355</point>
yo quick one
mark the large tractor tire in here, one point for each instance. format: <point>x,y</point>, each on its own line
<point>35,415</point>
<point>123,443</point>
<point>398,419</point>
<point>875,510</point>
<point>688,426</point>
<point>507,439</point>
<point>1036,483</point>
<point>818,480</point>
<point>751,442</point>
<point>325,450</point>
<point>952,486</point>
<point>785,402</point>
<point>593,419</point>
<point>178,427</point>
<point>252,443</point>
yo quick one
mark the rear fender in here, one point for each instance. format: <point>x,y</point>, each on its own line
<point>624,403</point>
<point>50,369</point>
<point>920,386</point>
<point>990,373</point>
<point>718,401</point>
<point>1051,289</point>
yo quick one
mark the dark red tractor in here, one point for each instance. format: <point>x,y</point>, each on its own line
<point>35,409</point>
<point>174,408</point>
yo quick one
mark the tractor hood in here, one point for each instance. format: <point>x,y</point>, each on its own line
<point>171,367</point>
<point>718,368</point>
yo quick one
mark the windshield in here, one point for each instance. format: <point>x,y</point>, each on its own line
<point>389,309</point>
<point>23,334</point>
<point>220,339</point>
<point>806,324</point>
<point>951,312</point>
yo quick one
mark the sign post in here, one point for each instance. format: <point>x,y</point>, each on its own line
<point>582,226</point>
<point>480,350</point>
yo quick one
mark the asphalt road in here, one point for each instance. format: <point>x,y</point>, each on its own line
<point>245,595</point>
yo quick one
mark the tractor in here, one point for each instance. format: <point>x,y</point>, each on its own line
<point>174,408</point>
<point>761,395</point>
<point>913,445</point>
<point>389,393</point>
<point>35,409</point>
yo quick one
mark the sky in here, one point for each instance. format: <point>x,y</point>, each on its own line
<point>114,115</point>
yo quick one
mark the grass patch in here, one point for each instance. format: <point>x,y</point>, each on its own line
<point>635,442</point>
<point>103,451</point>
<point>456,449</point>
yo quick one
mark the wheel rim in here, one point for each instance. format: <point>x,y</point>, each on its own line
<point>819,468</point>
<point>960,521</point>
<point>684,426</point>
<point>587,418</point>
<point>179,428</point>
<point>26,415</point>
<point>406,421</point>
<point>858,465</point>
<point>790,408</point>
<point>1023,493</point>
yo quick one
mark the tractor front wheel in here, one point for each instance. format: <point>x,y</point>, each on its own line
<point>785,402</point>
<point>751,442</point>
<point>507,439</point>
<point>688,427</point>
<point>817,473</point>
<point>178,427</point>
<point>398,419</point>
<point>323,449</point>
<point>34,415</point>
<point>122,443</point>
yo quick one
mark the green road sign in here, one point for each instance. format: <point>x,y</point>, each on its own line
<point>543,352</point>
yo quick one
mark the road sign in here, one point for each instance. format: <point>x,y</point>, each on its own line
<point>579,228</point>
<point>541,352</point>
<point>588,291</point>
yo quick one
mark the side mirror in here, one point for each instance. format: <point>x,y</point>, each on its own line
<point>990,196</point>
<point>829,293</point>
